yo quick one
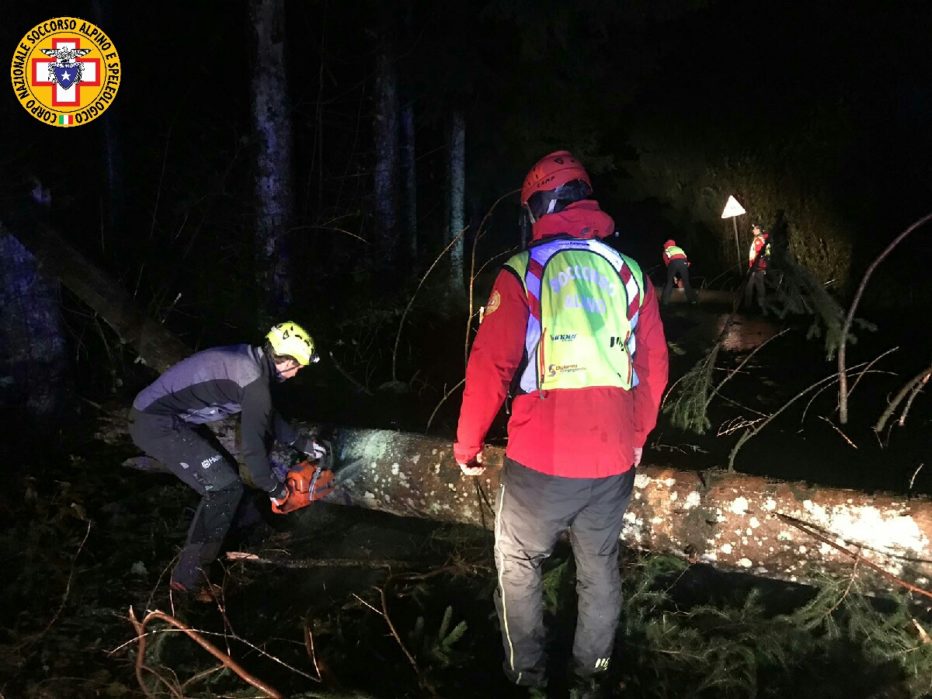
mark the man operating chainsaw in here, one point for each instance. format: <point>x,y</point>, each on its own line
<point>211,385</point>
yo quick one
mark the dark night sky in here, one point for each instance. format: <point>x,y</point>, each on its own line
<point>818,109</point>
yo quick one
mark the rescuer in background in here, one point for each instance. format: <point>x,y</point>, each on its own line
<point>758,262</point>
<point>576,327</point>
<point>674,257</point>
<point>209,386</point>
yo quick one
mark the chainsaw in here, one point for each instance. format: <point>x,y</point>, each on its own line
<point>309,481</point>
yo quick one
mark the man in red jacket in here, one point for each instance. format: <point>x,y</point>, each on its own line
<point>574,328</point>
<point>758,262</point>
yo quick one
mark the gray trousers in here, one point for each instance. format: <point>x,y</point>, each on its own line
<point>202,466</point>
<point>532,511</point>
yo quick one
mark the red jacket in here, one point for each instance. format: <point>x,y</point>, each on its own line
<point>575,433</point>
<point>759,251</point>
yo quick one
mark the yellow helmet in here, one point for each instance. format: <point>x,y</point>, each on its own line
<point>291,340</point>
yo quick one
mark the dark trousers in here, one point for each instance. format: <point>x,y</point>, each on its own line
<point>204,467</point>
<point>533,509</point>
<point>678,268</point>
<point>755,287</point>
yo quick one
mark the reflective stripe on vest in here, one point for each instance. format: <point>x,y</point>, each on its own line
<point>674,252</point>
<point>584,300</point>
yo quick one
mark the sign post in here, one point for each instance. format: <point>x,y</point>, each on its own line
<point>733,210</point>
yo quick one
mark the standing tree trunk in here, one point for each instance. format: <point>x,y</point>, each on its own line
<point>408,149</point>
<point>33,355</point>
<point>385,184</point>
<point>409,179</point>
<point>272,120</point>
<point>457,219</point>
<point>112,151</point>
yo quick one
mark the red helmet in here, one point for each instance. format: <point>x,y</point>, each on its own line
<point>670,243</point>
<point>551,172</point>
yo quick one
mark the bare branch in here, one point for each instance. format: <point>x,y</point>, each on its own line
<point>738,368</point>
<point>232,665</point>
<point>248,557</point>
<point>472,269</point>
<point>843,342</point>
<point>812,531</point>
<point>309,646</point>
<point>838,430</point>
<point>404,314</point>
<point>763,423</point>
<point>914,385</point>
<point>442,401</point>
<point>394,632</point>
<point>346,375</point>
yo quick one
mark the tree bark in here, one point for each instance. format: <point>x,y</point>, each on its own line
<point>729,520</point>
<point>409,180</point>
<point>732,521</point>
<point>272,123</point>
<point>457,220</point>
<point>386,137</point>
<point>408,139</point>
<point>112,150</point>
<point>34,366</point>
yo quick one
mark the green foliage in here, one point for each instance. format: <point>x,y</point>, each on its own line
<point>688,399</point>
<point>840,641</point>
<point>439,649</point>
<point>554,584</point>
<point>890,637</point>
<point>793,289</point>
<point>643,596</point>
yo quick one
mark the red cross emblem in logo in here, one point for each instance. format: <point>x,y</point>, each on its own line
<point>66,86</point>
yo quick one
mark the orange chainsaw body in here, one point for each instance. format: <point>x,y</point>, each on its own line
<point>306,483</point>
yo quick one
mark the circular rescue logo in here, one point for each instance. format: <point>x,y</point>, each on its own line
<point>65,72</point>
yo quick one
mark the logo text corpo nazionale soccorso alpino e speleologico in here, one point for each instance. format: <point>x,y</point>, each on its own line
<point>65,72</point>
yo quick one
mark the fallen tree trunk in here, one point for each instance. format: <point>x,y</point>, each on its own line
<point>729,520</point>
<point>705,296</point>
<point>732,521</point>
<point>155,344</point>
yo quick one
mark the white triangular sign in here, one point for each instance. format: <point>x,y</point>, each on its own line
<point>732,208</point>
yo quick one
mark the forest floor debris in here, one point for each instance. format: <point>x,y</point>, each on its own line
<point>411,617</point>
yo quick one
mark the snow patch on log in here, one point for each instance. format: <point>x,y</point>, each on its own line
<point>739,506</point>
